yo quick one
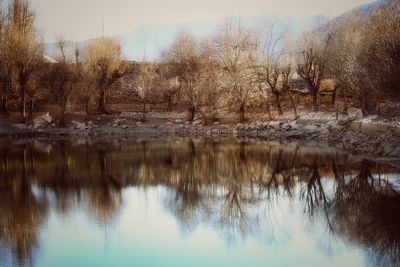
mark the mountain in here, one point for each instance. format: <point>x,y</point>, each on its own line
<point>148,41</point>
<point>363,9</point>
<point>368,8</point>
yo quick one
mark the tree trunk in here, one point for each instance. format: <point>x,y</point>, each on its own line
<point>5,102</point>
<point>315,101</point>
<point>23,101</point>
<point>192,111</point>
<point>87,106</point>
<point>87,103</point>
<point>294,106</point>
<point>242,117</point>
<point>334,97</point>
<point>144,112</point>
<point>102,102</point>
<point>31,107</point>
<point>363,104</point>
<point>169,107</point>
<point>63,115</point>
<point>269,110</point>
<point>278,102</point>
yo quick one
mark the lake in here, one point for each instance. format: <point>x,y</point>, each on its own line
<point>194,202</point>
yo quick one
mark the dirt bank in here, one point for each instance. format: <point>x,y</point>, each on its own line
<point>369,137</point>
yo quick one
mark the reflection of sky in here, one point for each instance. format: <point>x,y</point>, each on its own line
<point>147,234</point>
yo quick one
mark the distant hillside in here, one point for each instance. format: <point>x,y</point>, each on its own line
<point>370,7</point>
<point>364,9</point>
<point>149,41</point>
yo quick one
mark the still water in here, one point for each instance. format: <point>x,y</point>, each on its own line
<point>194,202</point>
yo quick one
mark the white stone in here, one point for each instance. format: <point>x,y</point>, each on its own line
<point>354,113</point>
<point>42,121</point>
<point>79,125</point>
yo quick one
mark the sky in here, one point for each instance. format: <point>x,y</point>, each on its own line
<point>79,20</point>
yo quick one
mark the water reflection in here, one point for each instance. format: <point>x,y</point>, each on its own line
<point>236,187</point>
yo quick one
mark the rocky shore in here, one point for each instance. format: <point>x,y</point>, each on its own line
<point>335,134</point>
<point>381,141</point>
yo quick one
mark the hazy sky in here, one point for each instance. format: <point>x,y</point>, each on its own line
<point>82,19</point>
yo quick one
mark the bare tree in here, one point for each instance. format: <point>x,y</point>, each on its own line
<point>345,50</point>
<point>86,84</point>
<point>211,93</point>
<point>167,84</point>
<point>60,79</point>
<point>141,81</point>
<point>235,47</point>
<point>104,56</point>
<point>61,45</point>
<point>379,55</point>
<point>170,96</point>
<point>312,60</point>
<point>32,88</point>
<point>364,60</point>
<point>27,51</point>
<point>5,64</point>
<point>187,61</point>
<point>146,81</point>
<point>85,90</point>
<point>273,66</point>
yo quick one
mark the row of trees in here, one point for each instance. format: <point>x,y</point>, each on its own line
<point>24,68</point>
<point>365,55</point>
<point>225,69</point>
<point>358,53</point>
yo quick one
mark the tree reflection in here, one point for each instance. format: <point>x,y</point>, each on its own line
<point>26,181</point>
<point>368,213</point>
<point>187,202</point>
<point>314,193</point>
<point>22,212</point>
<point>230,185</point>
<point>233,216</point>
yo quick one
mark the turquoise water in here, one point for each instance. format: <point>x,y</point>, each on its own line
<point>201,202</point>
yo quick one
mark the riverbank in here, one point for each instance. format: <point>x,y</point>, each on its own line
<point>370,137</point>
